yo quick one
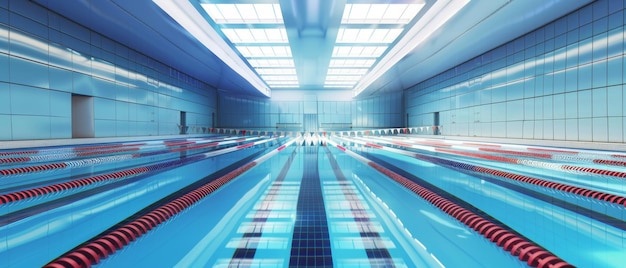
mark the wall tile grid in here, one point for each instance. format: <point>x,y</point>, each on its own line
<point>563,81</point>
<point>45,58</point>
<point>376,112</point>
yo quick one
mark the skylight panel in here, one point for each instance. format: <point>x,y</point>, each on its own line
<point>229,12</point>
<point>277,35</point>
<point>348,35</point>
<point>351,63</point>
<point>244,13</point>
<point>283,83</point>
<point>278,78</point>
<point>264,51</point>
<point>335,71</point>
<point>271,63</point>
<point>411,11</point>
<point>343,77</point>
<point>269,12</point>
<point>385,35</point>
<point>276,71</point>
<point>380,13</point>
<point>339,83</point>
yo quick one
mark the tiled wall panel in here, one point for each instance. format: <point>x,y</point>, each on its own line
<point>45,58</point>
<point>562,81</point>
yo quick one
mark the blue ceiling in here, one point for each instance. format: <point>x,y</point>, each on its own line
<point>480,26</point>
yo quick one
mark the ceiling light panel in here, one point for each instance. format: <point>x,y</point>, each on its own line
<point>349,35</point>
<point>256,63</point>
<point>359,51</point>
<point>380,13</point>
<point>277,35</point>
<point>364,63</point>
<point>244,13</point>
<point>274,78</point>
<point>264,51</point>
<point>276,71</point>
<point>347,71</point>
<point>343,77</point>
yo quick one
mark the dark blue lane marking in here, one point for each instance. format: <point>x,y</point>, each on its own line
<point>260,217</point>
<point>310,244</point>
<point>377,256</point>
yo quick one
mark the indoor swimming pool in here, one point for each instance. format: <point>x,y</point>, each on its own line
<point>312,201</point>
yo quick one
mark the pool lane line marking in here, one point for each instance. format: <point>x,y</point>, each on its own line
<point>246,252</point>
<point>310,243</point>
<point>379,253</point>
<point>115,240</point>
<point>531,253</point>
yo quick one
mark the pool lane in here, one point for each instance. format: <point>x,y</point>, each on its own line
<point>253,222</point>
<point>35,239</point>
<point>310,244</point>
<point>566,232</point>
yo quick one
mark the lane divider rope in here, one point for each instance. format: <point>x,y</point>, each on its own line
<point>531,253</point>
<point>108,244</point>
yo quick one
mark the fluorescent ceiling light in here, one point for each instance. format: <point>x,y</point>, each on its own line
<point>264,51</point>
<point>185,14</point>
<point>380,13</point>
<point>434,18</point>
<point>244,13</point>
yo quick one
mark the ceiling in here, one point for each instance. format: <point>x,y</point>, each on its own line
<point>319,44</point>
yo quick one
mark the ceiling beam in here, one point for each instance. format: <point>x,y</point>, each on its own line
<point>312,27</point>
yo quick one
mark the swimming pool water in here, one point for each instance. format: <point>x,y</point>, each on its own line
<point>311,206</point>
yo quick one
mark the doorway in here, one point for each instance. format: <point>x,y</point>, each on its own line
<point>82,116</point>
<point>183,122</point>
<point>436,123</point>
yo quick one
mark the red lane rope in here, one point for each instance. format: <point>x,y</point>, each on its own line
<point>527,251</point>
<point>612,198</point>
<point>12,171</point>
<point>102,247</point>
<point>15,196</point>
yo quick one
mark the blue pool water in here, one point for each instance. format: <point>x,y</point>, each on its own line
<point>306,206</point>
